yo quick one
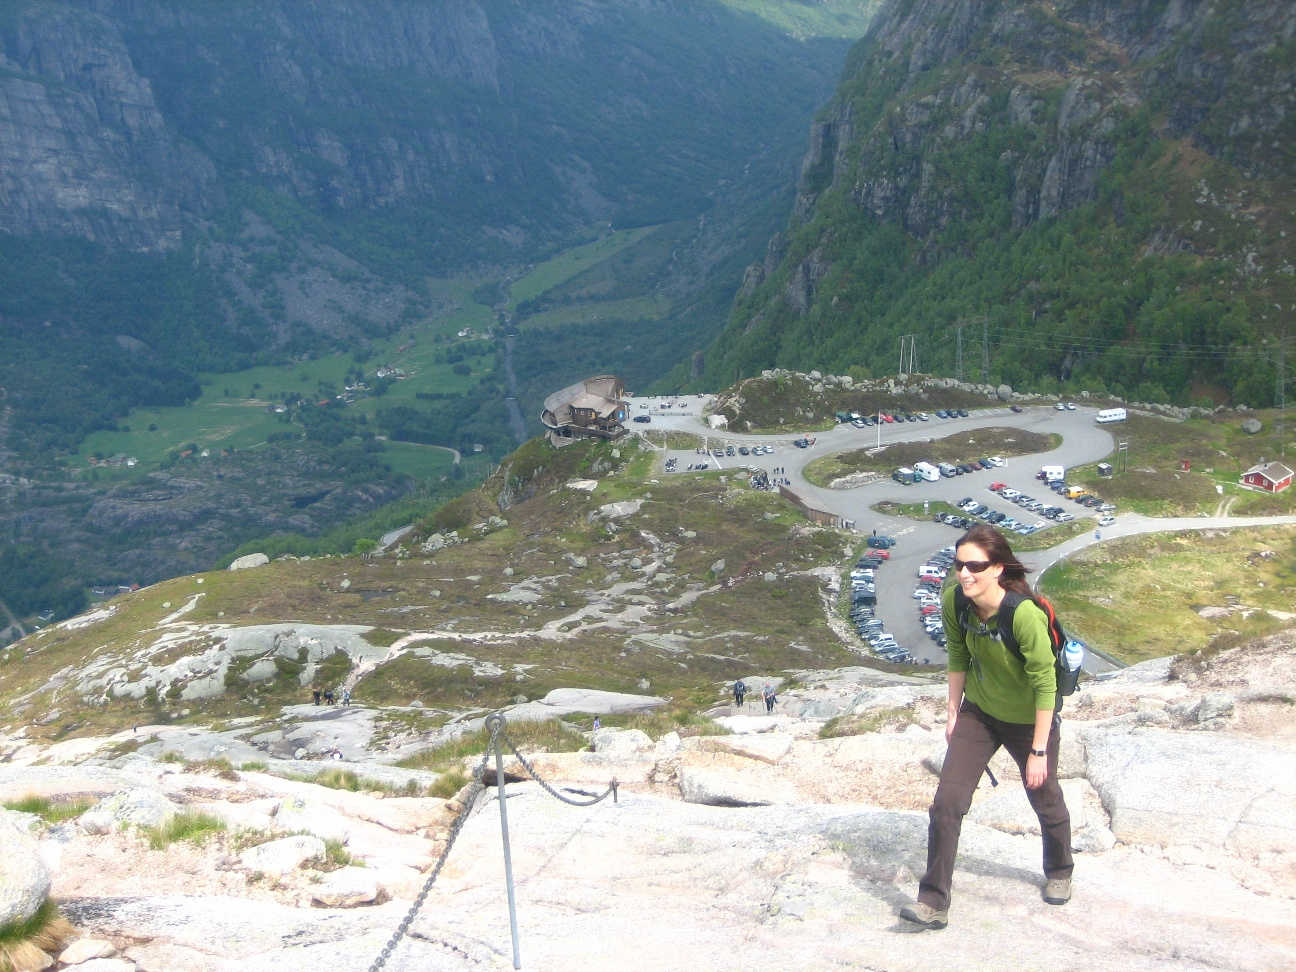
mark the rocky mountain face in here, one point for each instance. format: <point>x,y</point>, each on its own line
<point>969,142</point>
<point>84,150</point>
<point>509,123</point>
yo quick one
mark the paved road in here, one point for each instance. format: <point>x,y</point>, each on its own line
<point>1083,442</point>
<point>13,625</point>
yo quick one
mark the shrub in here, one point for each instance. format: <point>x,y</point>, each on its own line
<point>49,810</point>
<point>183,826</point>
<point>27,944</point>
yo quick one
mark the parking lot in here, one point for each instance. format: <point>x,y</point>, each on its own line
<point>1083,441</point>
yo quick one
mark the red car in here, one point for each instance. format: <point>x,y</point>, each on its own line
<point>931,609</point>
<point>884,554</point>
<point>888,418</point>
<point>995,487</point>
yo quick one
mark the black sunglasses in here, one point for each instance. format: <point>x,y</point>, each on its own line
<point>975,566</point>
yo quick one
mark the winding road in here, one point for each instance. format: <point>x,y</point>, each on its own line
<point>1083,441</point>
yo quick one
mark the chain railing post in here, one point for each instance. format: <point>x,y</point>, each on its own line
<point>495,723</point>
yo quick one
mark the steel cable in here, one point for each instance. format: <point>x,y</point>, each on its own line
<point>456,828</point>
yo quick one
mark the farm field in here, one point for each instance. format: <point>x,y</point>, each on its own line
<point>1217,451</point>
<point>1165,593</point>
<point>558,270</point>
<point>235,408</point>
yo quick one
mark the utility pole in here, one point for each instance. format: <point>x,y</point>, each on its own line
<point>1122,455</point>
<point>958,353</point>
<point>908,354</point>
<point>985,349</point>
<point>1281,397</point>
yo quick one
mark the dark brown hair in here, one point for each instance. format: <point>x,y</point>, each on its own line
<point>995,544</point>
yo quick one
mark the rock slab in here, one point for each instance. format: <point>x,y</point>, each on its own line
<point>24,879</point>
<point>136,807</point>
<point>283,856</point>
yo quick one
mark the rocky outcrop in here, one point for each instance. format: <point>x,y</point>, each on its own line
<point>84,150</point>
<point>24,879</point>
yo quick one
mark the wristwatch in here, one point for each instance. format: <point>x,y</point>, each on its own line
<point>1039,752</point>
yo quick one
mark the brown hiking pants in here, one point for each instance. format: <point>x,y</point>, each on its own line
<point>977,737</point>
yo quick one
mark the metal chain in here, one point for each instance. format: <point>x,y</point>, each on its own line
<point>479,774</point>
<point>478,784</point>
<point>610,791</point>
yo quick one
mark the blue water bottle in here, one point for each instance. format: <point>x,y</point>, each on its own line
<point>1073,652</point>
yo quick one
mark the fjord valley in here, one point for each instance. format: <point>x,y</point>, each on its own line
<point>216,217</point>
<point>609,382</point>
<point>1081,195</point>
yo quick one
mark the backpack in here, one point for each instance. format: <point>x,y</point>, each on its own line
<point>1066,679</point>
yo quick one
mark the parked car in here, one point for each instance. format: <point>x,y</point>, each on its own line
<point>941,413</point>
<point>1070,406</point>
<point>1060,407</point>
<point>642,418</point>
<point>729,450</point>
<point>1015,408</point>
<point>1106,520</point>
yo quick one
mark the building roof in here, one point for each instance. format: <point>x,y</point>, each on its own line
<point>601,395</point>
<point>600,406</point>
<point>1275,472</point>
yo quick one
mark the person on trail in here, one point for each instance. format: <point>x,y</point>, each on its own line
<point>995,700</point>
<point>346,696</point>
<point>328,697</point>
<point>598,723</point>
<point>770,698</point>
<point>315,696</point>
<point>740,692</point>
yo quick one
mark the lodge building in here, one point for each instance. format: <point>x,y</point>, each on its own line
<point>593,408</point>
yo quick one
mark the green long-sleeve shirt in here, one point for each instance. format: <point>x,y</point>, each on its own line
<point>997,682</point>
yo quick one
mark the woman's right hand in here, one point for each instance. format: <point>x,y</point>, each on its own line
<point>950,718</point>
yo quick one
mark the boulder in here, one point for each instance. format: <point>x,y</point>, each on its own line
<point>820,710</point>
<point>348,887</point>
<point>721,780</point>
<point>1094,839</point>
<point>24,879</point>
<point>283,856</point>
<point>106,965</point>
<point>251,560</point>
<point>1163,787</point>
<point>297,814</point>
<point>1251,426</point>
<point>1007,809</point>
<point>136,807</point>
<point>767,748</point>
<point>612,740</point>
<point>1004,393</point>
<point>85,949</point>
<point>1214,705</point>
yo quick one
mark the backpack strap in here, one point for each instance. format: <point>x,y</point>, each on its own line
<point>1007,611</point>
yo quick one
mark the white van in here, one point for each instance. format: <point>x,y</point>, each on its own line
<point>1053,474</point>
<point>1112,415</point>
<point>927,471</point>
<point>947,470</point>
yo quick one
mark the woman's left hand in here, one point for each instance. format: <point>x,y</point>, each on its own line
<point>1036,771</point>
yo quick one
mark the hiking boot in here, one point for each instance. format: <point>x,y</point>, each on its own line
<point>925,915</point>
<point>1057,891</point>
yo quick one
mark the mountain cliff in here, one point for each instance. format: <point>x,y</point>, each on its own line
<point>1098,191</point>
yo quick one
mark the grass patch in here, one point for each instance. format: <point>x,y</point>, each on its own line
<point>876,720</point>
<point>339,778</point>
<point>658,723</point>
<point>957,448</point>
<point>450,782</point>
<point>217,766</point>
<point>255,766</point>
<point>548,736</point>
<point>335,856</point>
<point>51,811</point>
<point>27,944</point>
<point>1055,534</point>
<point>171,756</point>
<point>193,827</point>
<point>383,637</point>
<point>1143,597</point>
<point>917,511</point>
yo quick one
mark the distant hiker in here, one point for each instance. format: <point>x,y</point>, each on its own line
<point>328,697</point>
<point>740,692</point>
<point>346,696</point>
<point>315,696</point>
<point>336,753</point>
<point>1011,700</point>
<point>598,723</point>
<point>770,698</point>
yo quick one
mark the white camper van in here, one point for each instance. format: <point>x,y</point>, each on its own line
<point>1112,415</point>
<point>1053,474</point>
<point>927,471</point>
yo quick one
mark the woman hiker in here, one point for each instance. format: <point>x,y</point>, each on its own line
<point>994,700</point>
